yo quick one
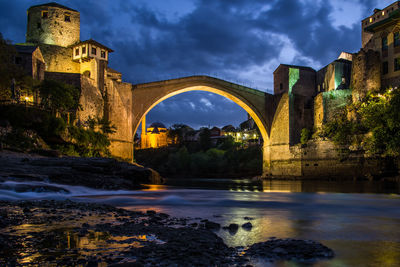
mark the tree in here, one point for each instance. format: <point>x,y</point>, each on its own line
<point>59,96</point>
<point>8,69</point>
<point>178,132</point>
<point>205,139</point>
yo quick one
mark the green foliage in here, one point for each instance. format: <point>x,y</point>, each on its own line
<point>8,69</point>
<point>205,139</point>
<point>340,130</point>
<point>101,123</point>
<point>53,130</point>
<point>178,131</point>
<point>376,125</point>
<point>305,136</point>
<point>380,114</point>
<point>89,143</point>
<point>214,162</point>
<point>59,96</point>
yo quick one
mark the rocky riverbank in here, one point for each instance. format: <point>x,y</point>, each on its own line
<point>99,173</point>
<point>70,233</point>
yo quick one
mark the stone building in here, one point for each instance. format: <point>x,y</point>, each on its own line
<point>55,30</point>
<point>155,136</point>
<point>381,33</point>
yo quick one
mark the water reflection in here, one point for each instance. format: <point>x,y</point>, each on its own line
<point>49,245</point>
<point>294,186</point>
<point>360,225</point>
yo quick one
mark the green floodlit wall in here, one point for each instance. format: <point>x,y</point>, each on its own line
<point>294,76</point>
<point>334,101</point>
<point>342,70</point>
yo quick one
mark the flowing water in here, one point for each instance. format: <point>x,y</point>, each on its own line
<point>360,221</point>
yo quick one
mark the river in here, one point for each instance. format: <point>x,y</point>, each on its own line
<point>358,220</point>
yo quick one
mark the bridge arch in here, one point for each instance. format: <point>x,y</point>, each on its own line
<point>147,96</point>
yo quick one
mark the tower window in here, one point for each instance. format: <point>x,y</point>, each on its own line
<point>385,68</point>
<point>45,14</point>
<point>76,51</point>
<point>103,54</point>
<point>94,50</point>
<point>281,86</point>
<point>67,17</point>
<point>384,43</point>
<point>39,25</point>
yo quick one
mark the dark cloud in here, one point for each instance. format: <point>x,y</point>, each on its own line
<point>238,40</point>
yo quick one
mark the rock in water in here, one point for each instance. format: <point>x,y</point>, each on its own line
<point>291,249</point>
<point>247,226</point>
<point>212,225</point>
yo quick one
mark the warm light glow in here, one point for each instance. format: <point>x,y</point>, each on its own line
<point>383,13</point>
<point>370,19</point>
<point>26,98</point>
<point>241,102</point>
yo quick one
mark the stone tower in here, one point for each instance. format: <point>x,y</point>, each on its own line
<point>53,24</point>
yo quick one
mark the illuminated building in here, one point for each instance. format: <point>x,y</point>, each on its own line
<point>154,136</point>
<point>381,33</point>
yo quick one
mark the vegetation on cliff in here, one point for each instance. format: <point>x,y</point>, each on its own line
<point>372,124</point>
<point>49,126</point>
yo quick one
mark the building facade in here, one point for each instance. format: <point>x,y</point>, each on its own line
<point>155,136</point>
<point>381,33</point>
<point>55,30</point>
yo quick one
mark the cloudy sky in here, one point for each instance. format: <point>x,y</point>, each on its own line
<point>242,41</point>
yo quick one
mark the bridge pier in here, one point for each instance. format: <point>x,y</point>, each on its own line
<point>266,167</point>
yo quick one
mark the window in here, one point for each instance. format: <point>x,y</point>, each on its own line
<point>396,38</point>
<point>281,87</point>
<point>67,17</point>
<point>370,19</point>
<point>384,43</point>
<point>45,14</point>
<point>385,68</point>
<point>83,49</point>
<point>76,51</point>
<point>396,64</point>
<point>39,25</point>
<point>103,54</point>
<point>383,13</point>
<point>94,50</point>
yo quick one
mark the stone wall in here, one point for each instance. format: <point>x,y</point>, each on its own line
<point>59,59</point>
<point>318,111</point>
<point>69,78</point>
<point>321,160</point>
<point>91,100</point>
<point>53,28</point>
<point>366,73</point>
<point>119,112</point>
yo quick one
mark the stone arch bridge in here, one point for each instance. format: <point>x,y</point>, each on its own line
<point>270,112</point>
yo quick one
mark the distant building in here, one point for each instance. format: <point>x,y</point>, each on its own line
<point>155,136</point>
<point>381,33</point>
